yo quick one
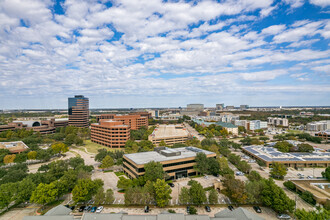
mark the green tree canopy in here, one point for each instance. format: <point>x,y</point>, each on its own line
<point>107,162</point>
<point>278,170</point>
<point>213,196</point>
<point>197,193</point>
<point>44,193</point>
<point>162,193</point>
<point>153,171</point>
<point>184,197</point>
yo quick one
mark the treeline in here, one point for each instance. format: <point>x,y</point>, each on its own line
<point>48,184</point>
<point>63,138</point>
<point>300,137</point>
<point>285,146</point>
<point>210,131</point>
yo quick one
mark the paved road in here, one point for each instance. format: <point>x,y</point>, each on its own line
<point>193,132</point>
<point>33,168</point>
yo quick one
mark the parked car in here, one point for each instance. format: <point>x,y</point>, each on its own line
<point>283,216</point>
<point>93,209</point>
<point>99,209</point>
<point>72,207</point>
<point>257,209</point>
<point>81,209</point>
<point>67,206</point>
<point>207,208</point>
<point>309,177</point>
<point>87,207</point>
<point>231,208</point>
<point>188,209</point>
<point>171,184</point>
<point>146,209</point>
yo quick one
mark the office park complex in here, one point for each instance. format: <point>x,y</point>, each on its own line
<point>164,110</point>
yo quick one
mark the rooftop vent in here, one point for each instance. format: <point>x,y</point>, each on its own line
<point>170,153</point>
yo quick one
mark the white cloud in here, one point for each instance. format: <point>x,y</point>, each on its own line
<point>322,3</point>
<point>295,3</point>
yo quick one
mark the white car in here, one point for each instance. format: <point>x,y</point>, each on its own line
<point>99,209</point>
<point>309,177</point>
<point>283,216</point>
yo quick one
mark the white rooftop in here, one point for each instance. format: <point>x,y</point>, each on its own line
<point>146,157</point>
<point>165,131</point>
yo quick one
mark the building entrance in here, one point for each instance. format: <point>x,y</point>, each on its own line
<point>181,174</point>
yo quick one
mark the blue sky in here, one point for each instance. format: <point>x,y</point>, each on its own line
<point>142,53</point>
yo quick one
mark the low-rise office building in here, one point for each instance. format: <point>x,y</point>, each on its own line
<point>270,155</point>
<point>14,146</point>
<point>110,133</point>
<point>135,121</point>
<point>170,134</point>
<point>318,126</point>
<point>325,135</point>
<point>177,162</point>
<point>229,127</point>
<point>278,121</point>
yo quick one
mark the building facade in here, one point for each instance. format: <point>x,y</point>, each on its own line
<point>318,126</point>
<point>325,135</point>
<point>135,122</point>
<point>278,121</point>
<point>177,162</point>
<point>110,133</point>
<point>219,107</point>
<point>78,111</point>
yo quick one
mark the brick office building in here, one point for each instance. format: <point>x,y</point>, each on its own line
<point>110,133</point>
<point>78,111</point>
<point>135,121</point>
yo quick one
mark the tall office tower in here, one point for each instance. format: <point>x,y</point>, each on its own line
<point>219,106</point>
<point>78,111</point>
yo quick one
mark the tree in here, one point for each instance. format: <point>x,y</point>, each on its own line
<point>32,155</point>
<point>254,176</point>
<point>162,193</point>
<point>107,162</point>
<point>24,190</point>
<point>305,148</point>
<point>253,190</point>
<point>214,167</point>
<point>326,173</point>
<point>275,197</point>
<point>101,155</point>
<point>184,197</point>
<point>99,196</point>
<point>124,183</point>
<point>59,148</point>
<point>283,146</point>
<point>192,211</point>
<point>7,194</point>
<point>153,171</point>
<point>302,214</point>
<point>202,165</point>
<point>235,189</point>
<point>84,190</point>
<point>278,170</point>
<point>9,158</point>
<point>162,143</point>
<point>290,185</point>
<point>197,193</point>
<point>109,197</point>
<point>244,166</point>
<point>213,196</point>
<point>70,139</point>
<point>76,162</point>
<point>44,193</point>
<point>308,197</point>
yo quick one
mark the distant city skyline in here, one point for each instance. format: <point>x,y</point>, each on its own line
<point>141,54</point>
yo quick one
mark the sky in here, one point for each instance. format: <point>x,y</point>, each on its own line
<point>152,53</point>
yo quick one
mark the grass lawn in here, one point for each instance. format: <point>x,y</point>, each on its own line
<point>92,147</point>
<point>295,131</point>
<point>119,173</point>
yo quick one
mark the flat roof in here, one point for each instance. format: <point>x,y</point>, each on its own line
<point>165,131</point>
<point>14,146</point>
<point>272,154</point>
<point>146,157</point>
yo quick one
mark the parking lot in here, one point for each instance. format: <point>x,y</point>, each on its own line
<point>266,212</point>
